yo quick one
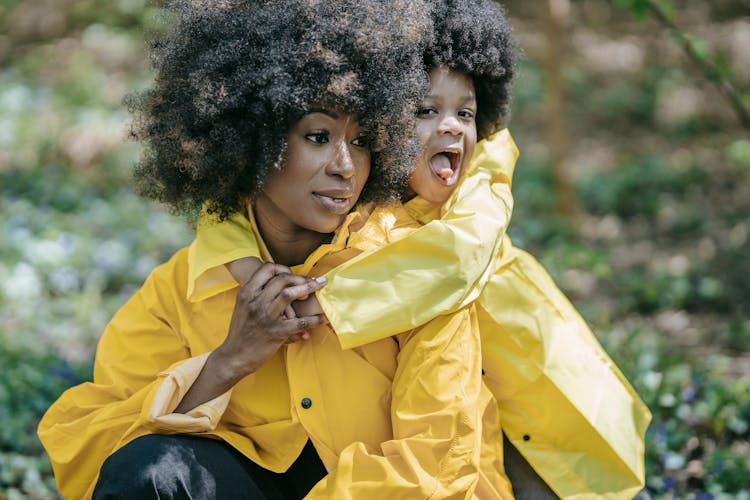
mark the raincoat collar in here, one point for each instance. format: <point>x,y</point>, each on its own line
<point>218,243</point>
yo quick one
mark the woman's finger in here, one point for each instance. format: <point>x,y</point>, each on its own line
<point>289,312</point>
<point>301,291</point>
<point>255,285</point>
<point>297,337</point>
<point>279,292</point>
<point>283,289</point>
<point>298,326</point>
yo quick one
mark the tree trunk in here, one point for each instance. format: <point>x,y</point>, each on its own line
<point>557,135</point>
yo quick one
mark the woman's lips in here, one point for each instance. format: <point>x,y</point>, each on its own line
<point>334,202</point>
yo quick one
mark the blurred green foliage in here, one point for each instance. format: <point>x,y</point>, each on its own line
<point>639,188</point>
<point>715,65</point>
<point>75,241</point>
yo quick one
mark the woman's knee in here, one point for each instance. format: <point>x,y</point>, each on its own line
<point>155,466</point>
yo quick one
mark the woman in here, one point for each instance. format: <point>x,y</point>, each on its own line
<point>277,110</point>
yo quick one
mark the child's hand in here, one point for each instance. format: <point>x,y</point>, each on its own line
<point>308,306</point>
<point>304,306</point>
<point>243,269</point>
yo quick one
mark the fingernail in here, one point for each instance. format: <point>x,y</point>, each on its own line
<point>321,280</point>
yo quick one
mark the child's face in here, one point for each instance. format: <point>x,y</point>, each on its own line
<point>326,166</point>
<point>448,133</point>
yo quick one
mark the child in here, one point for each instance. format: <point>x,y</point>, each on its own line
<point>563,403</point>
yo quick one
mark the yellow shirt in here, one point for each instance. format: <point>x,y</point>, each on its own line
<point>402,417</point>
<point>563,403</point>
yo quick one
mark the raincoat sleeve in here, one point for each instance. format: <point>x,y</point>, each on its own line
<point>137,349</point>
<point>374,295</point>
<point>436,419</point>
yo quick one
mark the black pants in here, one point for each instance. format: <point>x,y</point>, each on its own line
<point>196,468</point>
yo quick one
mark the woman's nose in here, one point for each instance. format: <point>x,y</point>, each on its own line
<point>450,125</point>
<point>342,164</point>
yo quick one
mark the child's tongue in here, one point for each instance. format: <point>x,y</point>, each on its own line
<point>441,165</point>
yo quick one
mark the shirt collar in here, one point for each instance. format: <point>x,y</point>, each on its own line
<point>218,243</point>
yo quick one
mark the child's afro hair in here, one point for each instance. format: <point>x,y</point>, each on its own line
<point>474,37</point>
<point>233,76</point>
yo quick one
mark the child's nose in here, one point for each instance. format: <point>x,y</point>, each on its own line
<point>450,125</point>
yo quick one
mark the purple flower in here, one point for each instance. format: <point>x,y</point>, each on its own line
<point>688,393</point>
<point>669,483</point>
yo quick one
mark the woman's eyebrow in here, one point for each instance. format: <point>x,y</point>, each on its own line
<point>327,112</point>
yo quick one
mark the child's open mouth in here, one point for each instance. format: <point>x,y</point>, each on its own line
<point>445,165</point>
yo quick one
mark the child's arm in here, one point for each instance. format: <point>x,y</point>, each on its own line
<point>438,268</point>
<point>243,269</point>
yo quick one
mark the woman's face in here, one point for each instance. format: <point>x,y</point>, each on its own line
<point>447,130</point>
<point>327,164</point>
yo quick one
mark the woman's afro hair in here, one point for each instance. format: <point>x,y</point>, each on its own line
<point>474,37</point>
<point>233,76</point>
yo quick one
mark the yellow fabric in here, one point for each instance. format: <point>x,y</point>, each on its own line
<point>450,258</point>
<point>397,418</point>
<point>554,382</point>
<point>448,251</point>
<point>543,364</point>
<point>176,383</point>
<point>563,403</point>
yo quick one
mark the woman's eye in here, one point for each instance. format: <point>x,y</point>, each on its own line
<point>363,141</point>
<point>426,111</point>
<point>317,137</point>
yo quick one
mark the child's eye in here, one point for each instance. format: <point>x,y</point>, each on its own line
<point>317,137</point>
<point>426,111</point>
<point>466,113</point>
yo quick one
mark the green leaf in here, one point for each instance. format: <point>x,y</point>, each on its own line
<point>739,152</point>
<point>639,9</point>
<point>723,65</point>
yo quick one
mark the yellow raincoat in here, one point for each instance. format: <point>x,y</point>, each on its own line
<point>379,434</point>
<point>563,403</point>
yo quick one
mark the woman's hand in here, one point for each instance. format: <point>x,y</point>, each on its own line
<point>243,269</point>
<point>259,326</point>
<point>263,319</point>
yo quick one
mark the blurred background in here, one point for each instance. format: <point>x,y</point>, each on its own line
<point>633,189</point>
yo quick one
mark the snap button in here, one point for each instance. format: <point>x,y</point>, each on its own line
<point>526,437</point>
<point>306,403</point>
